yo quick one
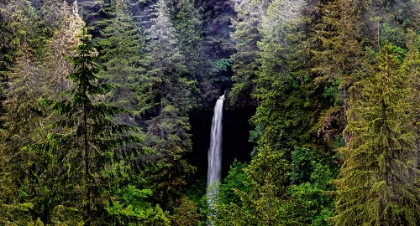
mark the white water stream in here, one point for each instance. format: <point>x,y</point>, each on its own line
<point>215,155</point>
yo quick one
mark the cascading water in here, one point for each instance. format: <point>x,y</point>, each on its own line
<point>215,155</point>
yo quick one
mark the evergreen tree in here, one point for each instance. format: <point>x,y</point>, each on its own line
<point>18,25</point>
<point>263,203</point>
<point>337,60</point>
<point>188,22</point>
<point>23,122</point>
<point>186,213</point>
<point>86,142</point>
<point>309,202</point>
<point>23,113</point>
<point>60,46</point>
<point>246,35</point>
<point>120,53</point>
<point>279,91</point>
<point>8,52</point>
<point>53,13</point>
<point>165,95</point>
<point>235,179</point>
<point>411,68</point>
<point>377,184</point>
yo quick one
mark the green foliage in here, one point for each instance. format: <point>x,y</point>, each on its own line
<point>263,203</point>
<point>187,17</point>
<point>310,177</point>
<point>85,143</point>
<point>246,35</point>
<point>392,34</point>
<point>332,91</point>
<point>235,180</point>
<point>120,54</point>
<point>217,66</point>
<point>410,67</point>
<point>19,24</point>
<point>303,161</point>
<point>186,213</point>
<point>377,182</point>
<point>64,216</point>
<point>130,206</point>
<point>165,93</point>
<point>288,104</point>
<point>313,68</point>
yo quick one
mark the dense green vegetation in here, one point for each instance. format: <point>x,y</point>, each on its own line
<point>96,99</point>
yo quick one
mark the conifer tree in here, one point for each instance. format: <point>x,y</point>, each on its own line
<point>378,182</point>
<point>164,95</point>
<point>263,202</point>
<point>120,53</point>
<point>23,113</point>
<point>188,23</point>
<point>278,89</point>
<point>337,60</point>
<point>18,26</point>
<point>53,13</point>
<point>68,26</point>
<point>411,66</point>
<point>7,54</point>
<point>86,142</point>
<point>24,122</point>
<point>246,35</point>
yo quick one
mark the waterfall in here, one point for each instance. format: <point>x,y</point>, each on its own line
<point>215,155</point>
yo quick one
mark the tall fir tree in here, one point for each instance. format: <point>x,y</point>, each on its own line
<point>67,25</point>
<point>18,26</point>
<point>31,79</point>
<point>23,113</point>
<point>378,182</point>
<point>165,96</point>
<point>337,60</point>
<point>188,19</point>
<point>86,143</point>
<point>246,35</point>
<point>279,91</point>
<point>411,68</point>
<point>121,47</point>
<point>24,122</point>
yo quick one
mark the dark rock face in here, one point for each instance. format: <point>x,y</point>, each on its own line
<point>236,129</point>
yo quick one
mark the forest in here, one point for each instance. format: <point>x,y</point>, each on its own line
<point>106,108</point>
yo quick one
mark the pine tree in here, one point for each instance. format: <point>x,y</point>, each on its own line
<point>24,122</point>
<point>120,53</point>
<point>165,94</point>
<point>18,26</point>
<point>188,19</point>
<point>246,35</point>
<point>377,184</point>
<point>87,143</point>
<point>53,13</point>
<point>279,91</point>
<point>263,203</point>
<point>23,113</point>
<point>337,60</point>
<point>411,68</point>
<point>60,46</point>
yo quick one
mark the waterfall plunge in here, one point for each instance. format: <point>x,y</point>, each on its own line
<point>215,154</point>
